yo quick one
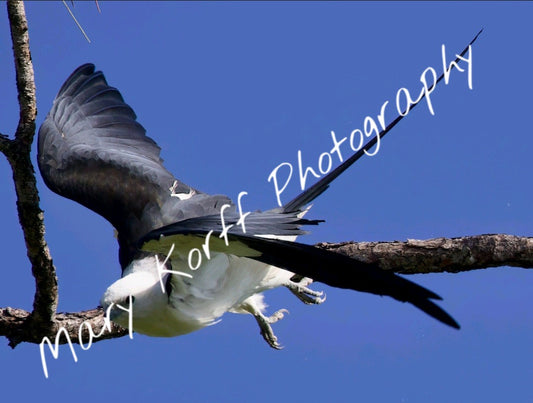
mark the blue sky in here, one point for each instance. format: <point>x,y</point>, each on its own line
<point>231,90</point>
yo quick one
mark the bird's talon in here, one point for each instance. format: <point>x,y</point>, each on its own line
<point>305,294</point>
<point>276,316</point>
<point>264,323</point>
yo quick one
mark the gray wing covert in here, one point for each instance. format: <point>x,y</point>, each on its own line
<point>91,149</point>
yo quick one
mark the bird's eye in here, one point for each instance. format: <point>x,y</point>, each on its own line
<point>126,301</point>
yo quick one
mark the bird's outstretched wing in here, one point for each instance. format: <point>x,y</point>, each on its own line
<point>92,150</point>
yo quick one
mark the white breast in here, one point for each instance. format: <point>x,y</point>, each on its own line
<point>219,285</point>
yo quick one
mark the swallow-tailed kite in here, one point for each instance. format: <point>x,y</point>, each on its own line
<point>92,150</point>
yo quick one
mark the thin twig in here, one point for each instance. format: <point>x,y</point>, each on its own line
<point>76,21</point>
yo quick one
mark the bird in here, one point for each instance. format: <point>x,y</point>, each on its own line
<point>188,257</point>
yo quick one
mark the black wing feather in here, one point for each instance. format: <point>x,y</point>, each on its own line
<point>321,265</point>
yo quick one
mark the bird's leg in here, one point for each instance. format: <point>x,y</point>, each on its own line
<point>298,286</point>
<point>264,322</point>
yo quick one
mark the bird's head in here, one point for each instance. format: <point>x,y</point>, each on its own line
<point>137,293</point>
<point>138,296</point>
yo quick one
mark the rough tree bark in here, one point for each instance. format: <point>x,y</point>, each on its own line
<point>17,325</point>
<point>440,255</point>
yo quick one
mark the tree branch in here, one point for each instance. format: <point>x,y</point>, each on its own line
<point>24,71</point>
<point>13,325</point>
<point>410,257</point>
<point>17,152</point>
<point>440,255</point>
